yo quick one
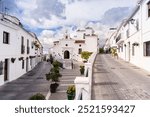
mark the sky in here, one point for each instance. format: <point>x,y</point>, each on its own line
<point>49,19</point>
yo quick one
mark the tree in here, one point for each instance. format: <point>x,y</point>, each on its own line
<point>101,50</point>
<point>85,55</point>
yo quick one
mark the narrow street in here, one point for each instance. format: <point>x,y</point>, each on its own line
<point>27,85</point>
<point>115,79</point>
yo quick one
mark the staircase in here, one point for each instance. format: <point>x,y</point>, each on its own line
<point>68,77</point>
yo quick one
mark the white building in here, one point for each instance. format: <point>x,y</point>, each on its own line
<point>20,50</point>
<point>110,41</point>
<point>133,36</point>
<point>70,48</point>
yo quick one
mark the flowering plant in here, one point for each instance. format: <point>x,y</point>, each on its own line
<point>71,90</point>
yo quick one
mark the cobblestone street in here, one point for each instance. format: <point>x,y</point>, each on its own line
<point>27,85</point>
<point>115,79</point>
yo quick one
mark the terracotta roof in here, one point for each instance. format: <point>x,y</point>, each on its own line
<point>79,41</point>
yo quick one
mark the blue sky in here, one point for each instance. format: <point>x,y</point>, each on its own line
<point>49,18</point>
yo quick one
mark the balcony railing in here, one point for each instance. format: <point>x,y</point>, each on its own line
<point>22,49</point>
<point>84,84</point>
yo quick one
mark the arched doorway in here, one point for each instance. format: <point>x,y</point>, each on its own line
<point>66,54</point>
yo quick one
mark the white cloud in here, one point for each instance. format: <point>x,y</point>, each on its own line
<point>53,13</point>
<point>47,14</point>
<point>46,38</point>
<point>26,4</point>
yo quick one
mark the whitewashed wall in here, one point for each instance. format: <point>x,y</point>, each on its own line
<point>13,49</point>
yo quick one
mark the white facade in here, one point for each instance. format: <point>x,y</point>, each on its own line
<point>110,42</point>
<point>18,53</point>
<point>70,48</point>
<point>134,43</point>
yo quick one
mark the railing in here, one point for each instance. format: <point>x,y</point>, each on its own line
<point>84,84</point>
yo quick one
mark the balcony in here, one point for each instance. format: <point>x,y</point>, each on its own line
<point>22,49</point>
<point>119,39</point>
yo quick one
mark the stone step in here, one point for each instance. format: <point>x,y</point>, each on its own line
<point>66,82</point>
<point>67,77</point>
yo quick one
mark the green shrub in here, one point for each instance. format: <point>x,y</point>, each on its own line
<point>54,74</point>
<point>82,70</point>
<point>57,64</point>
<point>37,96</point>
<point>85,55</point>
<point>101,50</point>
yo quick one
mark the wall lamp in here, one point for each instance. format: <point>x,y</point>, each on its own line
<point>132,21</point>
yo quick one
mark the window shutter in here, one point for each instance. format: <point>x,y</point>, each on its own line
<point>1,68</point>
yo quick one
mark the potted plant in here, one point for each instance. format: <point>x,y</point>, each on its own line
<point>53,75</point>
<point>85,55</point>
<point>71,92</point>
<point>13,60</point>
<point>82,70</point>
<point>37,96</point>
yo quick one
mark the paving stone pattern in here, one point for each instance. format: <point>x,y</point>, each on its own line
<point>27,85</point>
<point>115,79</point>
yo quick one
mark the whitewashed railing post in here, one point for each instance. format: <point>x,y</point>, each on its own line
<point>84,84</point>
<point>82,87</point>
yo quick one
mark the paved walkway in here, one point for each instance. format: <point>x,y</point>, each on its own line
<point>68,77</point>
<point>31,83</point>
<point>119,80</point>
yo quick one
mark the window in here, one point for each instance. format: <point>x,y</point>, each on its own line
<point>32,44</point>
<point>146,48</point>
<point>28,48</point>
<point>84,36</point>
<point>133,50</point>
<point>1,68</point>
<point>5,37</point>
<point>80,45</point>
<point>80,50</point>
<point>66,45</point>
<point>127,33</point>
<point>122,48</point>
<point>137,25</point>
<point>148,4</point>
<point>22,45</point>
<point>22,64</point>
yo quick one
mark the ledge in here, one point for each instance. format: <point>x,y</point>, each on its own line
<point>81,80</point>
